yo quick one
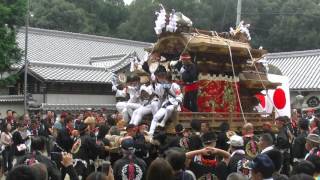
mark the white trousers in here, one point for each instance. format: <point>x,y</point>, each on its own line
<point>162,115</point>
<point>139,113</point>
<point>127,109</point>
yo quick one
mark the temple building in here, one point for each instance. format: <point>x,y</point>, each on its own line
<point>69,71</point>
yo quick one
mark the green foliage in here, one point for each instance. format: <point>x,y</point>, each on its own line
<point>100,17</point>
<point>59,15</point>
<point>277,25</point>
<point>12,15</point>
<point>140,23</point>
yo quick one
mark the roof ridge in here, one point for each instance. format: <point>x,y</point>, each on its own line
<point>9,96</point>
<point>120,62</point>
<point>101,58</point>
<point>81,36</point>
<point>314,52</point>
<point>78,66</point>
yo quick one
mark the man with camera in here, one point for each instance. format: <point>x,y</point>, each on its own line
<point>37,156</point>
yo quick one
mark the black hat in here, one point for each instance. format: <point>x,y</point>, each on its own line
<point>132,78</point>
<point>81,127</point>
<point>127,144</point>
<point>179,128</point>
<point>161,70</point>
<point>263,164</point>
<point>276,157</point>
<point>208,137</point>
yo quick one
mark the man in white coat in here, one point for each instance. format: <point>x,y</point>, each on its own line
<point>154,101</point>
<point>126,108</point>
<point>171,100</point>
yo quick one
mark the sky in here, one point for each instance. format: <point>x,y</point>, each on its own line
<point>127,1</point>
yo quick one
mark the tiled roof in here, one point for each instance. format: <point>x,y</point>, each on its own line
<point>69,73</point>
<point>73,48</point>
<point>11,98</point>
<point>302,68</point>
<point>113,63</point>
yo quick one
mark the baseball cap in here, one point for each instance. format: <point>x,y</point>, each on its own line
<point>263,164</point>
<point>127,144</point>
<point>236,141</point>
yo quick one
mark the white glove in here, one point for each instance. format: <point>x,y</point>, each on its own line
<point>114,88</point>
<point>182,70</point>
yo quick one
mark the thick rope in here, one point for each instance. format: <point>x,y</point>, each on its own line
<point>263,85</point>
<point>235,82</point>
<point>233,71</point>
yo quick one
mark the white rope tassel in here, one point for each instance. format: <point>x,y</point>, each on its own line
<point>235,82</point>
<point>264,87</point>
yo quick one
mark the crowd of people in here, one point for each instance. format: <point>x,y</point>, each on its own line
<point>92,145</point>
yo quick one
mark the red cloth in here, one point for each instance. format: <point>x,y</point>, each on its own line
<point>190,87</point>
<point>208,162</point>
<point>212,97</point>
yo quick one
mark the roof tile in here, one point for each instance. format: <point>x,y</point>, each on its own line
<point>302,68</point>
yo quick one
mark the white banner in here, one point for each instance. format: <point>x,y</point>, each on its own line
<point>278,98</point>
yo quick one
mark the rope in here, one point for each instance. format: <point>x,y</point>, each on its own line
<point>186,46</point>
<point>235,82</point>
<point>264,87</point>
<point>233,71</point>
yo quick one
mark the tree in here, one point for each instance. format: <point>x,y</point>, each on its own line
<point>59,15</point>
<point>140,23</point>
<point>296,27</point>
<point>12,15</point>
<point>277,25</point>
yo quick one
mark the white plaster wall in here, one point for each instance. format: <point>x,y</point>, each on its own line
<point>80,99</point>
<point>38,98</point>
<point>18,107</point>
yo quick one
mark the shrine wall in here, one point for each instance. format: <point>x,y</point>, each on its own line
<point>79,99</point>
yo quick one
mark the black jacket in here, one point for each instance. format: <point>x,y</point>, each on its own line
<point>140,145</point>
<point>298,147</point>
<point>282,140</point>
<point>190,74</point>
<point>53,171</point>
<point>88,149</point>
<point>222,141</point>
<point>233,163</point>
<point>64,139</point>
<point>44,128</point>
<point>276,156</point>
<point>121,168</point>
<point>17,140</point>
<point>195,142</point>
